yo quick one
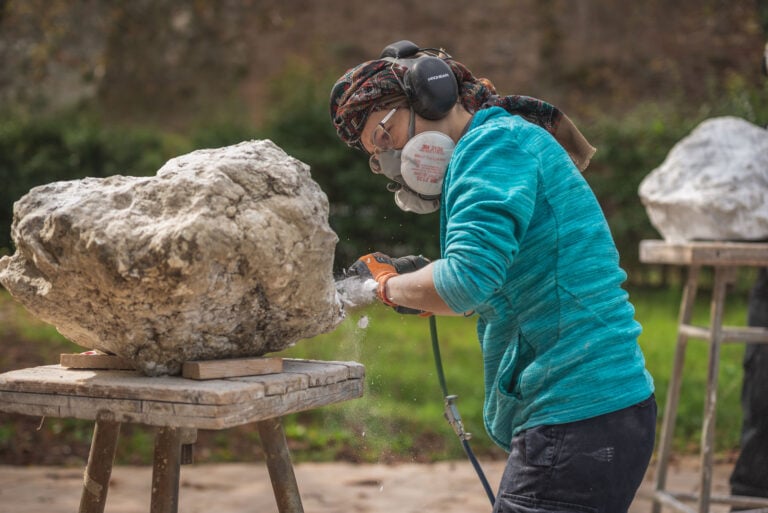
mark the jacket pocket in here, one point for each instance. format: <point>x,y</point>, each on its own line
<point>518,357</point>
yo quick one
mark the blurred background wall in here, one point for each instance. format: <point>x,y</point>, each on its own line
<point>165,60</point>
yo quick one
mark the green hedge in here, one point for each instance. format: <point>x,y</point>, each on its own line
<point>632,146</point>
<point>75,144</point>
<point>71,145</point>
<point>627,151</point>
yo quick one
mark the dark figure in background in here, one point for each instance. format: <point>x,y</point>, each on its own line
<point>750,474</point>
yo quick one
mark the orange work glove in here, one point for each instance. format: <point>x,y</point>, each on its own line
<point>381,268</point>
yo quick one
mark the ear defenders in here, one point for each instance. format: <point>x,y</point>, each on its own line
<point>429,83</point>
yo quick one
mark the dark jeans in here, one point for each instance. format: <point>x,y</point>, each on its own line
<point>750,474</point>
<point>591,466</point>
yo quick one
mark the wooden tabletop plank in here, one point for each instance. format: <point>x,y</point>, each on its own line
<point>278,384</point>
<point>355,369</point>
<point>113,384</point>
<point>333,372</point>
<point>300,374</point>
<point>713,253</point>
<point>57,380</point>
<point>159,413</point>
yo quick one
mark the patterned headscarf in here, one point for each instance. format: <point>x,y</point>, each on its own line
<point>375,85</point>
<point>366,88</point>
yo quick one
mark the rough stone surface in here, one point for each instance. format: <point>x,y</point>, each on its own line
<point>224,253</point>
<point>713,185</point>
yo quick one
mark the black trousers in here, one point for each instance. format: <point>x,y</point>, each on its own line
<point>750,474</point>
<point>589,466</point>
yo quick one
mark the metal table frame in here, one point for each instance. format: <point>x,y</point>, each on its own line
<point>725,258</point>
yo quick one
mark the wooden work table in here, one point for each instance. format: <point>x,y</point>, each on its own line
<point>725,258</point>
<point>178,407</point>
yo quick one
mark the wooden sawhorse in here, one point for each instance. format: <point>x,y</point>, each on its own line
<point>725,258</point>
<point>179,407</point>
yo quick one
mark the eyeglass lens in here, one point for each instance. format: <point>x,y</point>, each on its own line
<point>381,138</point>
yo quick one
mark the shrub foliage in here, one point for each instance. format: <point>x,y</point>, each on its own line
<point>75,144</point>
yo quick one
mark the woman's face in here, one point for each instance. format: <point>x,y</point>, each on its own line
<point>396,125</point>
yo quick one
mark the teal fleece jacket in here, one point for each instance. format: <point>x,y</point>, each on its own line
<point>526,246</point>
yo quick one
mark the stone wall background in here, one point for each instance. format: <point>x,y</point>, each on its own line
<point>163,60</point>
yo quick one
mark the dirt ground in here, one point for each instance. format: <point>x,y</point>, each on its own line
<point>447,487</point>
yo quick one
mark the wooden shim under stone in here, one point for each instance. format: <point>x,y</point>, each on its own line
<point>230,368</point>
<point>94,361</point>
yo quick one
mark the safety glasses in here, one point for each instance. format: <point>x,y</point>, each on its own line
<point>382,140</point>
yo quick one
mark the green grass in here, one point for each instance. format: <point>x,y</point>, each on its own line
<point>400,416</point>
<point>402,410</point>
<point>658,312</point>
<point>403,397</point>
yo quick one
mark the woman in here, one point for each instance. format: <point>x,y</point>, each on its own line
<point>526,248</point>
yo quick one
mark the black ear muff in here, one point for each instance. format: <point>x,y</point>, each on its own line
<point>431,87</point>
<point>429,83</point>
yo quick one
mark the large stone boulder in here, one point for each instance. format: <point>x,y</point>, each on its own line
<point>224,253</point>
<point>713,185</point>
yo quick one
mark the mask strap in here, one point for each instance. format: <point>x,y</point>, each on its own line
<point>396,186</point>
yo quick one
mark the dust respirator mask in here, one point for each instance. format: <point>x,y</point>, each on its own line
<point>417,171</point>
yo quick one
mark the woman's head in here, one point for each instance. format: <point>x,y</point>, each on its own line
<point>379,85</point>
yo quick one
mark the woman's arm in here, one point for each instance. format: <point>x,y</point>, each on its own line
<point>417,290</point>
